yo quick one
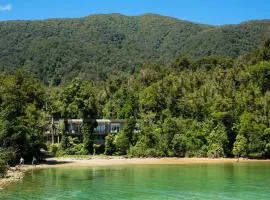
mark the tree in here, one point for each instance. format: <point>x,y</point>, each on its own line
<point>23,118</point>
<point>121,143</point>
<point>180,63</point>
<point>250,136</point>
<point>7,156</point>
<point>179,145</point>
<point>240,146</point>
<point>152,99</point>
<point>88,138</point>
<point>128,129</point>
<point>79,102</point>
<point>217,141</point>
<point>109,144</point>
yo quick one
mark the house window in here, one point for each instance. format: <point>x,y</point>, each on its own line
<point>74,128</point>
<point>100,129</point>
<point>115,127</point>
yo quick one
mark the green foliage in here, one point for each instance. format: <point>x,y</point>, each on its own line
<point>240,146</point>
<point>64,142</point>
<point>209,106</point>
<point>128,130</point>
<point>23,118</point>
<point>179,145</point>
<point>122,103</point>
<point>71,146</point>
<point>217,140</point>
<point>62,127</point>
<point>109,144</point>
<point>121,143</point>
<point>93,47</point>
<point>139,150</point>
<point>77,100</point>
<point>250,141</point>
<point>7,156</point>
<point>181,63</point>
<point>88,139</point>
<point>3,169</point>
<point>213,108</point>
<point>54,149</point>
<point>152,99</point>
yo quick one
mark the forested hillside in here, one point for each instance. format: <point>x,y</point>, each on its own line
<point>212,106</point>
<point>97,46</point>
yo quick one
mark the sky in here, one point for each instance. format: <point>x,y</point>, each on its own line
<point>214,12</point>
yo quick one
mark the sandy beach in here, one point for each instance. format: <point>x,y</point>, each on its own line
<point>17,173</point>
<point>96,161</point>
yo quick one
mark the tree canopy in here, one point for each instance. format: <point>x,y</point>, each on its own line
<point>94,47</point>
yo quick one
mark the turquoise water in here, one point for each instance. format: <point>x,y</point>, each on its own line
<point>193,181</point>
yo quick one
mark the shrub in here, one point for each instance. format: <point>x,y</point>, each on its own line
<point>75,149</point>
<point>79,149</point>
<point>267,150</point>
<point>121,143</point>
<point>139,150</point>
<point>154,153</point>
<point>255,155</point>
<point>3,169</point>
<point>54,149</point>
<point>109,144</point>
<point>179,145</point>
<point>215,151</point>
<point>202,152</point>
<point>6,156</point>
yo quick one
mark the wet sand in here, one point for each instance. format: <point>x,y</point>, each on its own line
<point>17,173</point>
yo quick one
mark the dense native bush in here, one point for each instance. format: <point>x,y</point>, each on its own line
<point>94,47</point>
<point>110,144</point>
<point>71,146</point>
<point>210,106</point>
<point>121,143</point>
<point>7,157</point>
<point>23,116</point>
<point>53,148</point>
<point>206,111</point>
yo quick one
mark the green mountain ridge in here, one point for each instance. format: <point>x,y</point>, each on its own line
<point>98,45</point>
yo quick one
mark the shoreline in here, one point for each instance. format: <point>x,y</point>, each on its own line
<point>17,173</point>
<point>14,174</point>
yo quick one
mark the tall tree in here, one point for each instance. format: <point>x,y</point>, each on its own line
<point>23,119</point>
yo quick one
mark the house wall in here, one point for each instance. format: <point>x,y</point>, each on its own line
<point>73,128</point>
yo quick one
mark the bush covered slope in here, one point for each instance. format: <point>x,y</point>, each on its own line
<point>96,46</point>
<point>213,106</point>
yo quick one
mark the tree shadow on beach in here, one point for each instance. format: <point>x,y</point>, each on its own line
<point>55,162</point>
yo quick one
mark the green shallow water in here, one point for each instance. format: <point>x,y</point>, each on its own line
<point>193,181</point>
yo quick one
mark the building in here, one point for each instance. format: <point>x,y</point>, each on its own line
<point>73,128</point>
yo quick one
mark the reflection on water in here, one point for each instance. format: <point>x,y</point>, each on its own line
<point>194,181</point>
